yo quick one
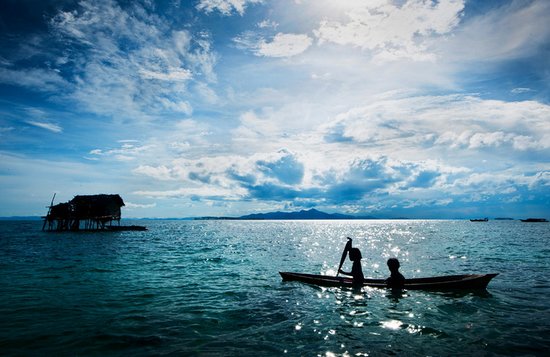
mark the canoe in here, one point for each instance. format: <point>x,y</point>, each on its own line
<point>448,282</point>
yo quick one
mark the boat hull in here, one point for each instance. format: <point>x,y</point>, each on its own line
<point>449,282</point>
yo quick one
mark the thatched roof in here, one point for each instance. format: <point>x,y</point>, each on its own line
<point>97,206</point>
<point>98,200</point>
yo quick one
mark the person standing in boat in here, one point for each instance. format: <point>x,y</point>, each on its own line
<point>396,279</point>
<point>356,269</point>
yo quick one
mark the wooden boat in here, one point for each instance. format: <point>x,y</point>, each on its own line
<point>535,220</point>
<point>449,282</point>
<point>126,228</point>
<point>480,220</point>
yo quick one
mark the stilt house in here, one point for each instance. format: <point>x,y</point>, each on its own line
<point>87,212</point>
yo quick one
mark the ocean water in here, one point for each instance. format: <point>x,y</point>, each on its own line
<point>211,288</point>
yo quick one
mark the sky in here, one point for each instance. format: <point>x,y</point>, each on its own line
<point>186,108</point>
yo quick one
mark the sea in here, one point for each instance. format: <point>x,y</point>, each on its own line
<point>212,288</point>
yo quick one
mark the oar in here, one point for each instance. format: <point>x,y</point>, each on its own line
<point>344,254</point>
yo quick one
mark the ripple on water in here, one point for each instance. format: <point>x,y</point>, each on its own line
<point>201,287</point>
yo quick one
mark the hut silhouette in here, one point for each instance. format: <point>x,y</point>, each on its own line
<point>84,212</point>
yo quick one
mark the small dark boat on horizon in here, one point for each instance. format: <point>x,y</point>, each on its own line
<point>440,283</point>
<point>126,228</point>
<point>480,220</point>
<point>535,220</point>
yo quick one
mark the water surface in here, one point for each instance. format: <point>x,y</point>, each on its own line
<point>212,288</point>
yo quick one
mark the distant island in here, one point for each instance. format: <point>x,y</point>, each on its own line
<point>300,215</point>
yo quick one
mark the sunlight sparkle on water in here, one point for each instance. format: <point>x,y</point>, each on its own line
<point>414,329</point>
<point>332,354</point>
<point>299,316</point>
<point>391,324</point>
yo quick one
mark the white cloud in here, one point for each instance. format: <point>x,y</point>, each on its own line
<point>267,24</point>
<point>128,151</point>
<point>120,42</point>
<point>284,45</point>
<point>45,125</point>
<point>391,31</point>
<point>161,173</point>
<point>182,106</point>
<point>479,140</point>
<point>515,29</point>
<point>130,205</point>
<point>456,120</point>
<point>33,78</point>
<point>521,90</point>
<point>169,75</point>
<point>205,192</point>
<point>495,139</point>
<point>281,45</point>
<point>226,7</point>
<point>253,127</point>
<point>495,183</point>
<point>397,145</point>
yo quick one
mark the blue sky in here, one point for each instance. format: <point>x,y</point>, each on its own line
<point>422,109</point>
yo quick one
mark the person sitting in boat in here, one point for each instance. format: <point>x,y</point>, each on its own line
<point>356,270</point>
<point>396,279</point>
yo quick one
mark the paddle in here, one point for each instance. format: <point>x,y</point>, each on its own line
<point>344,254</point>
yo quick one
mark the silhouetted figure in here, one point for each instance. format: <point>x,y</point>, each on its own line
<point>356,270</point>
<point>396,279</point>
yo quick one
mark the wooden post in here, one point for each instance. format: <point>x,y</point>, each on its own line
<point>49,211</point>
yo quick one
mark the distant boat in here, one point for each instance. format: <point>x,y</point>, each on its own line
<point>126,228</point>
<point>535,220</point>
<point>479,220</point>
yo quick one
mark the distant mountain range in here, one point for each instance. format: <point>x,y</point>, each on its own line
<point>303,214</point>
<point>299,215</point>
